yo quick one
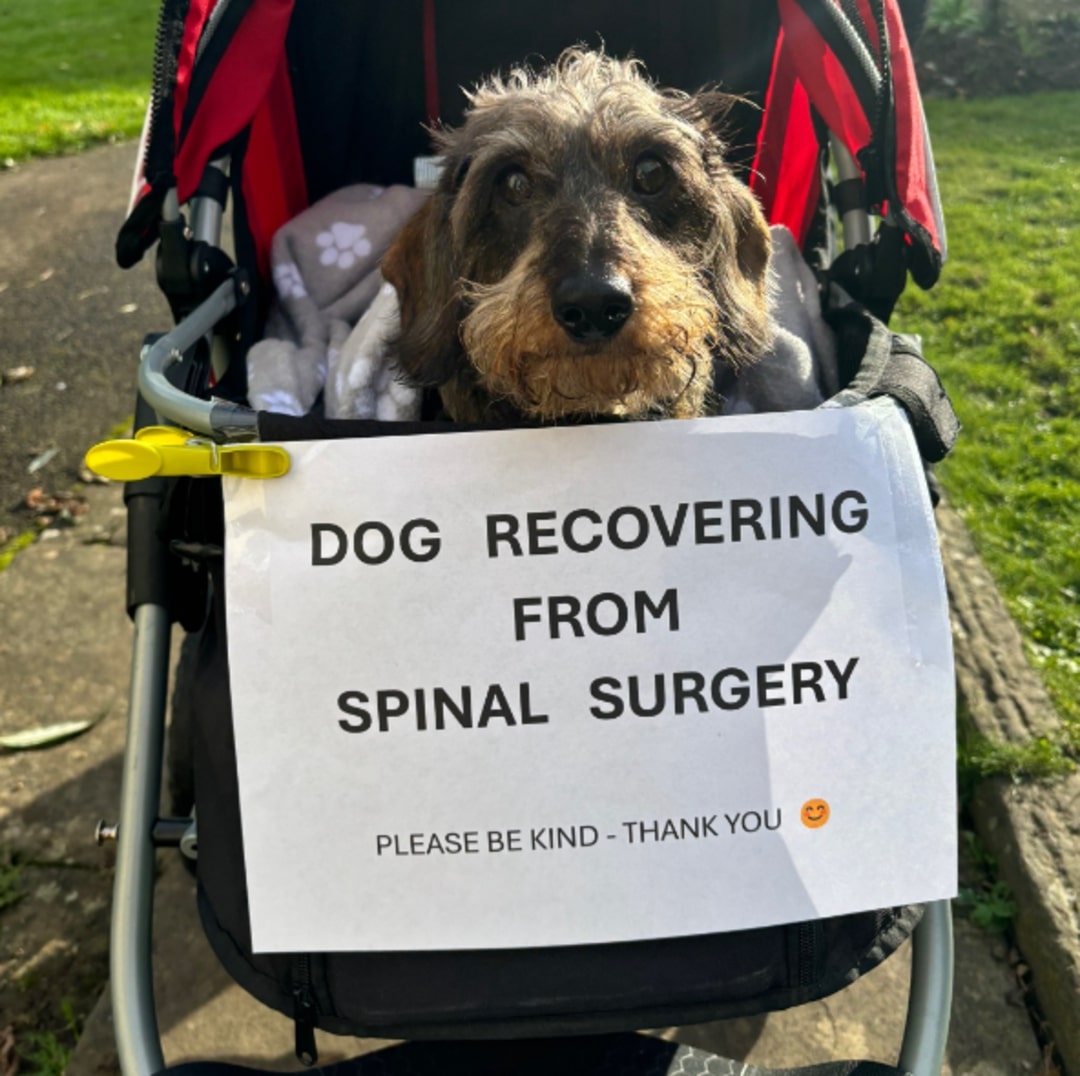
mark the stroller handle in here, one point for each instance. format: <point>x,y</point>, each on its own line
<point>219,419</point>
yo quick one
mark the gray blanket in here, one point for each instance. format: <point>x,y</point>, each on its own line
<point>799,372</point>
<point>329,327</point>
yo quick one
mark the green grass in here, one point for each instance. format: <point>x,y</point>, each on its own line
<point>11,548</point>
<point>73,72</point>
<point>1003,330</point>
<point>11,887</point>
<point>990,907</point>
<point>47,1053</point>
<point>43,1053</point>
<point>978,757</point>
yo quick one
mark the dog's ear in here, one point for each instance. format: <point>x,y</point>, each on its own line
<point>708,110</point>
<point>740,275</point>
<point>420,266</point>
<point>719,117</point>
<point>753,243</point>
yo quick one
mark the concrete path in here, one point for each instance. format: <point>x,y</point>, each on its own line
<point>67,313</point>
<point>64,653</point>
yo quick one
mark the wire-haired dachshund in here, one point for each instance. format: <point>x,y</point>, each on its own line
<point>587,251</point>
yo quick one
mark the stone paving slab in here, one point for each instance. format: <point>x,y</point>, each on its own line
<point>65,647</point>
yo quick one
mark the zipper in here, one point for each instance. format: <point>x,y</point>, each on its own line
<point>167,42</point>
<point>808,953</point>
<point>164,45</point>
<point>305,1012</point>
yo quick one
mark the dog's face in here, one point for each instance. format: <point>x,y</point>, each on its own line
<point>587,251</point>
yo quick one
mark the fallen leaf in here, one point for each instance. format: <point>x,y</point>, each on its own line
<point>69,507</point>
<point>17,374</point>
<point>46,735</point>
<point>101,536</point>
<point>41,460</point>
<point>88,477</point>
<point>9,1058</point>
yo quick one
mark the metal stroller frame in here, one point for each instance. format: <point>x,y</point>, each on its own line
<point>140,832</point>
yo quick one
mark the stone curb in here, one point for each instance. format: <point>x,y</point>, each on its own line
<point>1031,828</point>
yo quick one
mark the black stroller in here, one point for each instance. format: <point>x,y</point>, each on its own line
<point>246,103</point>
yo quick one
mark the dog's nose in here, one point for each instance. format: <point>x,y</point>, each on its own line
<point>591,307</point>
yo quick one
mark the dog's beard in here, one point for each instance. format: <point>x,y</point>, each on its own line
<point>661,359</point>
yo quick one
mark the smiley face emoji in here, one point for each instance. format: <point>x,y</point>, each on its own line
<point>814,813</point>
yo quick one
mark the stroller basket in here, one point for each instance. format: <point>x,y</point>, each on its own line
<point>837,79</point>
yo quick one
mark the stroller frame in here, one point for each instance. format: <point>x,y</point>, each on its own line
<point>141,832</point>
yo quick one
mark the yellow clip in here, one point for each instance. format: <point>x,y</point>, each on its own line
<point>166,451</point>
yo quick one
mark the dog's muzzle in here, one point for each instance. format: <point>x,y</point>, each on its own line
<point>590,307</point>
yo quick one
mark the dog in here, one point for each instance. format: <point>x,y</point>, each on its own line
<point>587,252</point>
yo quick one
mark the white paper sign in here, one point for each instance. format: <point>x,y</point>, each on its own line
<point>550,687</point>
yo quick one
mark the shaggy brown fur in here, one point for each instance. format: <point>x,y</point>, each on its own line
<point>587,251</point>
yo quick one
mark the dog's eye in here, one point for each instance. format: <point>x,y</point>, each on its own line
<point>515,186</point>
<point>651,174</point>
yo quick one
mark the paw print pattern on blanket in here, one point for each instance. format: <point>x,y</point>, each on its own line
<point>289,283</point>
<point>343,243</point>
<point>325,265</point>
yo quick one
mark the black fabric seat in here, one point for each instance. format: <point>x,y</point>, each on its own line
<point>358,69</point>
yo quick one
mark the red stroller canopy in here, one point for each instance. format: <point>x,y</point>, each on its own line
<point>223,81</point>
